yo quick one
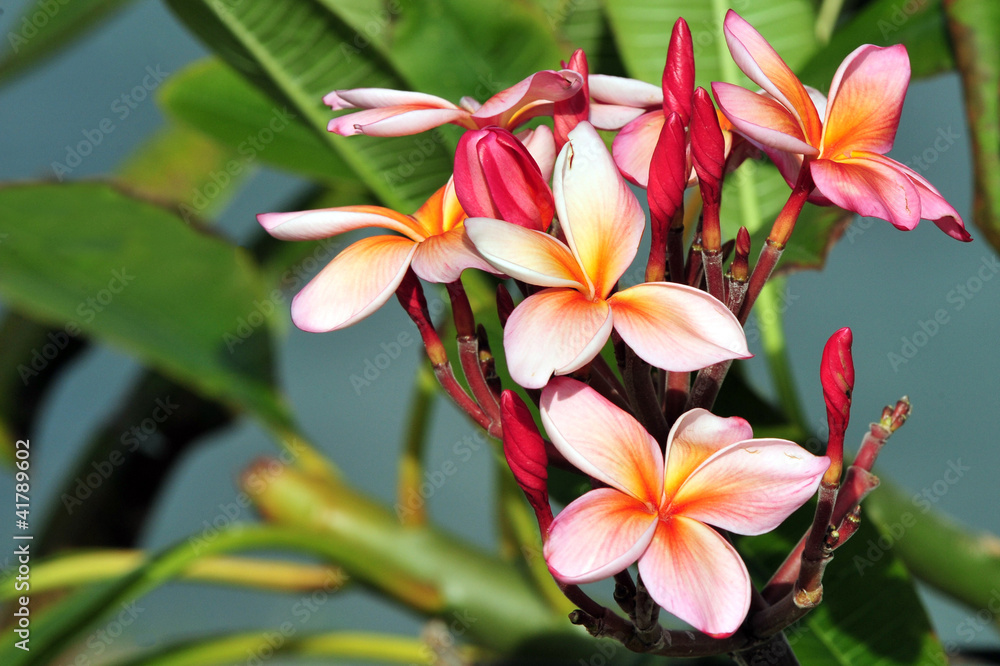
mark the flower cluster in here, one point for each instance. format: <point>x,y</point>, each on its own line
<point>553,210</point>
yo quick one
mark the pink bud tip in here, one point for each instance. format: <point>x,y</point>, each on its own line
<point>741,259</point>
<point>524,449</point>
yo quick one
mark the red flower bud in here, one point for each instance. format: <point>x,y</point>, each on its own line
<point>678,75</point>
<point>836,373</point>
<point>496,176</point>
<point>524,449</point>
<point>708,147</point>
<point>568,113</point>
<point>668,173</point>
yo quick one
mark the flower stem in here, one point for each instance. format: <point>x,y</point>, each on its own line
<point>468,354</point>
<point>411,468</point>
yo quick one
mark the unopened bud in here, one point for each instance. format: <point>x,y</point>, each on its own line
<point>678,74</point>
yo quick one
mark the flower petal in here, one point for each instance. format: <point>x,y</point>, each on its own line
<point>621,91</point>
<point>693,573</point>
<point>352,286</point>
<point>514,106</point>
<point>933,206</point>
<point>377,98</point>
<point>393,121</point>
<point>441,259</point>
<point>600,216</point>
<point>761,63</point>
<point>866,100</point>
<point>389,112</point>
<point>761,119</point>
<point>598,535</point>
<point>871,186</point>
<point>555,331</point>
<point>601,440</point>
<point>542,146</point>
<point>526,254</point>
<point>633,146</point>
<point>750,487</point>
<point>676,327</point>
<point>694,438</point>
<point>327,222</point>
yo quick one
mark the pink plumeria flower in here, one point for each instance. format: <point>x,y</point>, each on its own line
<point>562,328</point>
<point>660,515</point>
<point>364,276</point>
<point>400,113</point>
<point>846,148</point>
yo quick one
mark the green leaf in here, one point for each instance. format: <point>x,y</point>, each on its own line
<point>87,258</point>
<point>299,50</point>
<point>870,614</point>
<point>46,28</point>
<point>454,48</point>
<point>182,166</point>
<point>918,25</point>
<point>642,32</point>
<point>975,31</point>
<point>54,630</point>
<point>212,98</point>
<point>333,647</point>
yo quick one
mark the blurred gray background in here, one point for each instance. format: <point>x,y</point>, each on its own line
<point>879,281</point>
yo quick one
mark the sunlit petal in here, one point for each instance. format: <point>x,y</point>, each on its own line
<point>600,216</point>
<point>542,146</point>
<point>327,222</point>
<point>761,63</point>
<point>508,107</point>
<point>692,572</point>
<point>555,331</point>
<point>871,186</point>
<point>374,98</point>
<point>695,436</point>
<point>393,121</point>
<point>866,100</point>
<point>750,487</point>
<point>598,535</point>
<point>601,440</point>
<point>526,254</point>
<point>352,286</point>
<point>625,92</point>
<point>676,327</point>
<point>762,119</point>
<point>633,146</point>
<point>442,258</point>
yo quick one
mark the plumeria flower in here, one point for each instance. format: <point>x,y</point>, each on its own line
<point>360,279</point>
<point>660,515</point>
<point>844,139</point>
<point>562,328</point>
<point>400,113</point>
